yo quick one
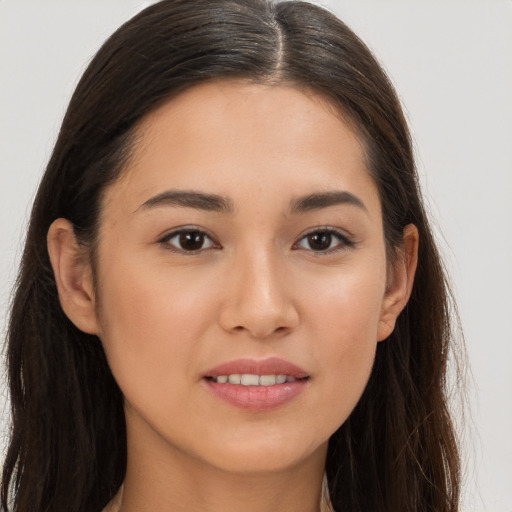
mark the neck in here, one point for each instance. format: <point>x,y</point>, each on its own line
<point>161,478</point>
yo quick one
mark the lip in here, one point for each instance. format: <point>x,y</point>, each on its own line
<point>269,366</point>
<point>257,398</point>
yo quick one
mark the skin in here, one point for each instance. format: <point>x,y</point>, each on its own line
<point>256,289</point>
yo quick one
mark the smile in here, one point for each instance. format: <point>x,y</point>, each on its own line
<point>248,379</point>
<point>257,385</point>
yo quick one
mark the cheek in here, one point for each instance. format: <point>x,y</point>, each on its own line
<point>347,305</point>
<point>346,316</point>
<point>150,323</point>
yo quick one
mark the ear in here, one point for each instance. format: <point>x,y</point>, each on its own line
<point>73,275</point>
<point>399,282</point>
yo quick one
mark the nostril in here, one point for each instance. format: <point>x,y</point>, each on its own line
<point>260,334</point>
<point>257,319</point>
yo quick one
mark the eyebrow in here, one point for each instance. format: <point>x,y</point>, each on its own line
<point>217,203</point>
<point>325,199</point>
<point>190,199</point>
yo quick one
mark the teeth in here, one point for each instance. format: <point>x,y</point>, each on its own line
<point>267,380</point>
<point>248,379</point>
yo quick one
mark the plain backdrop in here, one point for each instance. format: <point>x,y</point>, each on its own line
<point>451,62</point>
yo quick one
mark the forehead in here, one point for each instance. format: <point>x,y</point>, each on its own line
<point>234,105</point>
<point>230,137</point>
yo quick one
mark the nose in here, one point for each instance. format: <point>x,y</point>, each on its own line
<point>259,297</point>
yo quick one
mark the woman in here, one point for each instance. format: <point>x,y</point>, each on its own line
<point>230,292</point>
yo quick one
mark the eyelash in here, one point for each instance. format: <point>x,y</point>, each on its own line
<point>184,231</point>
<point>344,241</point>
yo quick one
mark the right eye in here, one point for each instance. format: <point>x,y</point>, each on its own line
<point>188,240</point>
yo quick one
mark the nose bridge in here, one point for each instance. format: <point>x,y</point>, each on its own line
<point>260,300</point>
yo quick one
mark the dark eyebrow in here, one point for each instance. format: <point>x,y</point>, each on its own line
<point>216,203</point>
<point>189,199</point>
<point>325,199</point>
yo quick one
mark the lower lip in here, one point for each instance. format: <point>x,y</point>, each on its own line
<point>257,398</point>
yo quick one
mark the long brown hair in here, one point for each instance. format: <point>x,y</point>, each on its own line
<point>397,451</point>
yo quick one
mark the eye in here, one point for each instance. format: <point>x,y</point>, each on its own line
<point>188,240</point>
<point>325,240</point>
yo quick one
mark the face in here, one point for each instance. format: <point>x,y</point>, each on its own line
<point>242,282</point>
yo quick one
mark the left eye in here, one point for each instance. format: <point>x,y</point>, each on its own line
<point>323,241</point>
<point>189,240</point>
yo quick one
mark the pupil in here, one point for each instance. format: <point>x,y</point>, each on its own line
<point>320,241</point>
<point>192,240</point>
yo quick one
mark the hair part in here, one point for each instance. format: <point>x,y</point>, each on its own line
<point>397,450</point>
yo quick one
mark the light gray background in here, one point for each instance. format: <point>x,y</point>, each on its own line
<point>451,61</point>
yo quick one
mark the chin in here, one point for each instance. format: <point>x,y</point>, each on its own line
<point>264,455</point>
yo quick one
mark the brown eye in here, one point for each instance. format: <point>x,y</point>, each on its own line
<point>324,240</point>
<point>192,241</point>
<point>320,241</point>
<point>189,240</point>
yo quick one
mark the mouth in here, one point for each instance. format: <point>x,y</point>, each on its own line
<point>257,385</point>
<point>251,379</point>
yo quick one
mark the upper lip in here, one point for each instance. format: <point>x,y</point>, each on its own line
<point>269,366</point>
